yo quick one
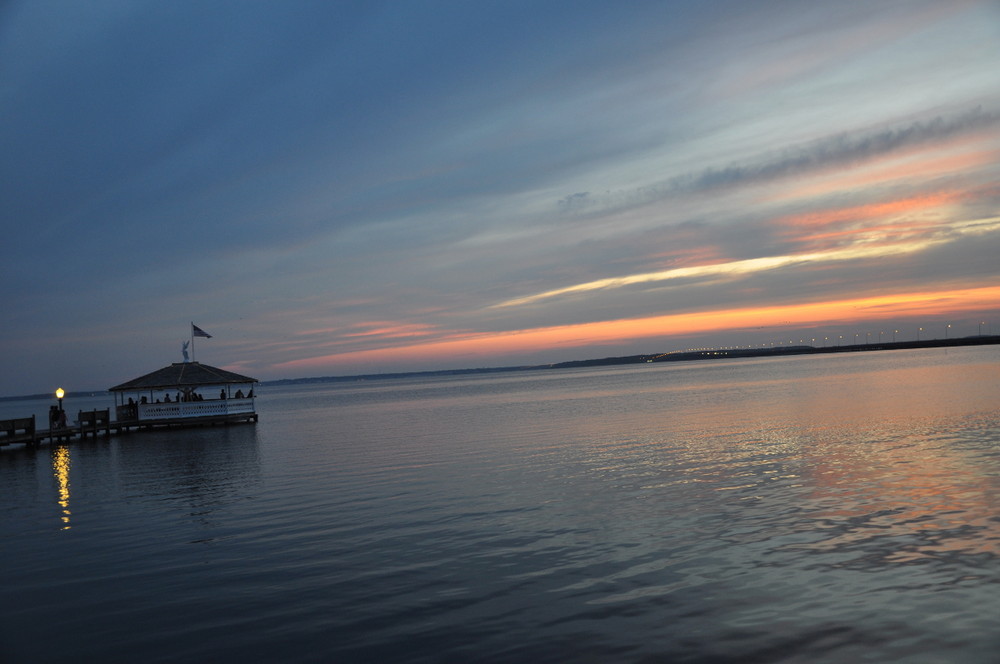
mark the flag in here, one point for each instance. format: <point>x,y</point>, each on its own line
<point>198,332</point>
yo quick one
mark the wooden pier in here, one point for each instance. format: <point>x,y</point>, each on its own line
<point>90,423</point>
<point>24,431</point>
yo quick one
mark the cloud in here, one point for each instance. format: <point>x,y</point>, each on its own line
<point>729,270</point>
<point>312,178</point>
<point>840,151</point>
<point>855,233</point>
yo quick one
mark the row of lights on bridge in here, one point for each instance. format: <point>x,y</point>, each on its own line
<point>868,337</point>
<point>824,340</point>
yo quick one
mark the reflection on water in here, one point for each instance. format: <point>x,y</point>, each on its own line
<point>198,470</point>
<point>61,463</point>
<point>923,496</point>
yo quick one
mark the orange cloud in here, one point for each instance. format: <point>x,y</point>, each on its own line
<point>870,211</point>
<point>886,233</point>
<point>394,331</point>
<point>689,256</point>
<point>496,344</point>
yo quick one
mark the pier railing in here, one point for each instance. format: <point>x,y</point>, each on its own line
<point>188,409</point>
<point>20,430</point>
<point>92,421</point>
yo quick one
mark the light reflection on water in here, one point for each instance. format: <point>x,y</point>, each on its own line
<point>60,470</point>
<point>807,509</point>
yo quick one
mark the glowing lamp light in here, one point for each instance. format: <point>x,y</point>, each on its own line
<point>60,393</point>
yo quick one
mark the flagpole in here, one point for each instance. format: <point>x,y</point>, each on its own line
<point>193,358</point>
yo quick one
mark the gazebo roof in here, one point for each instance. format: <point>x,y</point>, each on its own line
<point>183,375</point>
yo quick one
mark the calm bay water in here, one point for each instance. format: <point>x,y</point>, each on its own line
<point>809,509</point>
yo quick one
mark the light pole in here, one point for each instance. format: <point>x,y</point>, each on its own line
<point>894,335</point>
<point>946,328</point>
<point>60,393</point>
<point>919,330</point>
<point>981,327</point>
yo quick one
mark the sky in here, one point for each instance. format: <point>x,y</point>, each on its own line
<point>337,188</point>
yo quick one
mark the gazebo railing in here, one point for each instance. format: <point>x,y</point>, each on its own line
<point>189,409</point>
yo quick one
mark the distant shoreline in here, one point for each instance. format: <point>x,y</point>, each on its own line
<point>685,356</point>
<point>678,356</point>
<point>782,351</point>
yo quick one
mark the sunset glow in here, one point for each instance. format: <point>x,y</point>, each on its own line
<point>779,319</point>
<point>337,189</point>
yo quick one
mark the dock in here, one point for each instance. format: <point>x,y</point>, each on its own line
<point>92,423</point>
<point>183,394</point>
<point>23,430</point>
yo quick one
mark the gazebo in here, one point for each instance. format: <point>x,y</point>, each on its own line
<point>185,393</point>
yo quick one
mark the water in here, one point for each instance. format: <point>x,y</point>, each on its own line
<point>807,509</point>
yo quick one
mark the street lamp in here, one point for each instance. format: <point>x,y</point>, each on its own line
<point>56,420</point>
<point>919,330</point>
<point>946,328</point>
